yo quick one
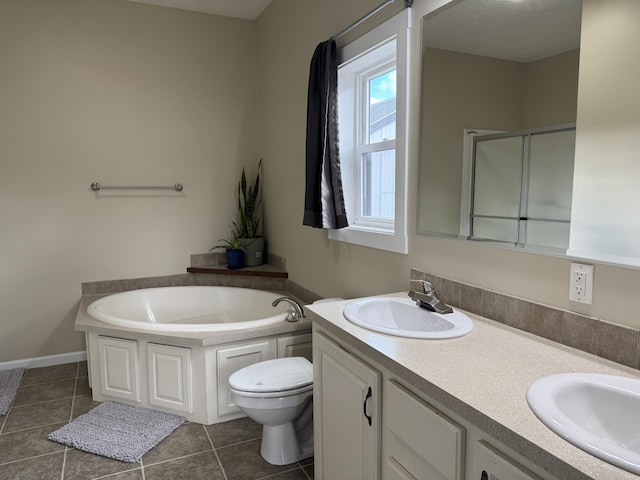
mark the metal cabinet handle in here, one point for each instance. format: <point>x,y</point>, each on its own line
<point>364,406</point>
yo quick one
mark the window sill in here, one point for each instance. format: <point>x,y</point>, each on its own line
<point>381,239</point>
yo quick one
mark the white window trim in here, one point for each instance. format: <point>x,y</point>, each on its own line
<point>396,239</point>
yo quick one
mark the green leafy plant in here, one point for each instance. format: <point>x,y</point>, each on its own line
<point>249,207</point>
<point>232,243</point>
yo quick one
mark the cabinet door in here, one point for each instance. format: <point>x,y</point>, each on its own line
<point>119,376</point>
<point>169,377</point>
<point>232,359</point>
<point>295,346</point>
<point>420,442</point>
<point>346,414</point>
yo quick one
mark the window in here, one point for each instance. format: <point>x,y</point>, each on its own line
<point>372,115</point>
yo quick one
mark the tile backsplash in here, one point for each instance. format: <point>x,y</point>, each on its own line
<point>614,342</point>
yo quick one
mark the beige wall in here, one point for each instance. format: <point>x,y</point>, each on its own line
<point>118,93</point>
<point>288,34</point>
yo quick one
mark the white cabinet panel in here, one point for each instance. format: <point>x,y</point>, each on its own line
<point>422,440</point>
<point>346,414</point>
<point>119,376</point>
<point>170,374</point>
<point>232,359</point>
<point>295,346</point>
<point>493,465</point>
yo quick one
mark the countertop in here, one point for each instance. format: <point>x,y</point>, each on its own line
<point>483,377</point>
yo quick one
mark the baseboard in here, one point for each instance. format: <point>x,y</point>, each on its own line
<point>45,361</point>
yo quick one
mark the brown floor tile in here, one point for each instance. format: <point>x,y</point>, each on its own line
<point>82,404</point>
<point>308,469</point>
<point>244,462</point>
<point>296,474</point>
<point>49,374</point>
<point>84,466</point>
<point>187,439</point>
<point>45,392</point>
<point>83,369</point>
<point>28,443</point>
<point>202,465</point>
<point>235,431</point>
<point>38,414</point>
<point>130,475</point>
<point>46,467</point>
<point>82,386</point>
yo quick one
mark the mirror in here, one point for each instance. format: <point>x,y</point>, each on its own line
<point>499,78</point>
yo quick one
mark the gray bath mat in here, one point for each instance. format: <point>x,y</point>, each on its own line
<point>9,383</point>
<point>117,430</point>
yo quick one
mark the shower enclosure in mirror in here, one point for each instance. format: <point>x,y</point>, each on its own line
<point>520,188</point>
<point>499,79</point>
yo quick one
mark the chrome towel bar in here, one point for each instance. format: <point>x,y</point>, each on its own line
<point>95,186</point>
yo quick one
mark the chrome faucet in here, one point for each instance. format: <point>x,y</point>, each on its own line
<point>295,313</point>
<point>428,298</point>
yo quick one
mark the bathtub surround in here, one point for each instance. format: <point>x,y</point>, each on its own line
<point>599,337</point>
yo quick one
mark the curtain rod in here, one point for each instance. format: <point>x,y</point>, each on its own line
<point>407,4</point>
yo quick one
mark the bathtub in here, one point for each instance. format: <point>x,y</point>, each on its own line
<point>190,309</point>
<point>174,348</point>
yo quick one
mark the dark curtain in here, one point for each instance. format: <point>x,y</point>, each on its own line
<point>324,200</point>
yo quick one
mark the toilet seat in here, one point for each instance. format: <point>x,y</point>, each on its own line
<point>274,378</point>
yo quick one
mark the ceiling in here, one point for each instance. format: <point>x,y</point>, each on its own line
<point>247,9</point>
<point>517,30</point>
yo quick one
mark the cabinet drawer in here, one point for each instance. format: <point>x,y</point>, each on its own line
<point>437,441</point>
<point>493,465</point>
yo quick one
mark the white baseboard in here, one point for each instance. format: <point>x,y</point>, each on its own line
<point>45,361</point>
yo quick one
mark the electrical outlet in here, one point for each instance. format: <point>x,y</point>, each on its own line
<point>581,283</point>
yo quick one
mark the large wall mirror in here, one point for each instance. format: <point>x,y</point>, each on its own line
<point>498,113</point>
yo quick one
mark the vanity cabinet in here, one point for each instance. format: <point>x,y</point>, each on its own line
<point>419,441</point>
<point>411,436</point>
<point>346,396</point>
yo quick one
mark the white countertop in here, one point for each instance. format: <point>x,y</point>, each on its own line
<point>483,377</point>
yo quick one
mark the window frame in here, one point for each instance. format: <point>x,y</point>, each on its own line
<point>381,235</point>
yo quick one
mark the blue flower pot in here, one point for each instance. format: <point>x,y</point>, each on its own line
<point>235,259</point>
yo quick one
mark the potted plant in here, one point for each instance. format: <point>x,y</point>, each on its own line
<point>248,228</point>
<point>234,250</point>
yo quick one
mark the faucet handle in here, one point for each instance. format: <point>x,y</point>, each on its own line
<point>427,286</point>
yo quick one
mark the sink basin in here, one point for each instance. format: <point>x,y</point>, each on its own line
<point>598,413</point>
<point>403,318</point>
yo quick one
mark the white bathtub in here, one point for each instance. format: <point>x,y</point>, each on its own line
<point>190,309</point>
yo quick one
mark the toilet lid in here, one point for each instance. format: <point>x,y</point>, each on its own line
<point>273,375</point>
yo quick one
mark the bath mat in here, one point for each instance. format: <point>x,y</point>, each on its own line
<point>117,430</point>
<point>9,383</point>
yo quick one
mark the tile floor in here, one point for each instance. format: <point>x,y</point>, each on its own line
<point>49,397</point>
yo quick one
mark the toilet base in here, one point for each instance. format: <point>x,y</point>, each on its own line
<point>280,445</point>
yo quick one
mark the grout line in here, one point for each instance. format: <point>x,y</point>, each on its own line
<point>64,462</point>
<point>32,457</point>
<point>215,452</point>
<point>35,426</point>
<point>118,473</point>
<point>4,421</point>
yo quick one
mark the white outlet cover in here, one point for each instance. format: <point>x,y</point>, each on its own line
<point>582,293</point>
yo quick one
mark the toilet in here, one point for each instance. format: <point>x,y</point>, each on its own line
<point>278,394</point>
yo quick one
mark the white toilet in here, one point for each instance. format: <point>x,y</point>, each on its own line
<point>278,394</point>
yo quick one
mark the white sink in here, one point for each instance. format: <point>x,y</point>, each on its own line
<point>598,413</point>
<point>403,318</point>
